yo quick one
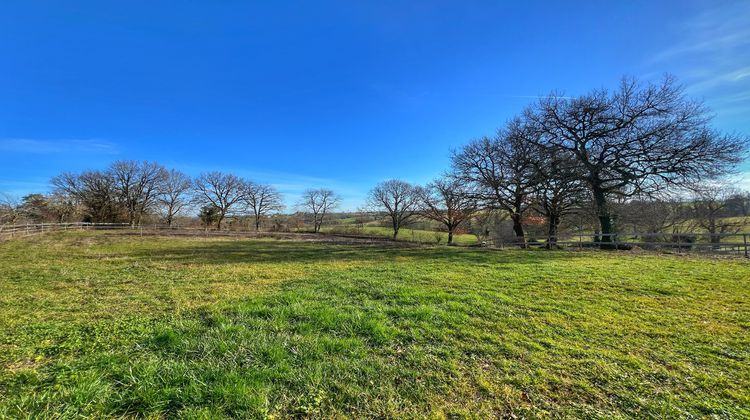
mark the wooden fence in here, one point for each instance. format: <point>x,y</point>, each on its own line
<point>17,231</point>
<point>718,243</point>
<point>701,242</point>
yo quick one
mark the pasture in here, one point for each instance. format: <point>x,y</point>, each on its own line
<point>405,234</point>
<point>111,325</point>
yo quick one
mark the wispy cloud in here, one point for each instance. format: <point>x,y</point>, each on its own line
<point>34,146</point>
<point>713,56</point>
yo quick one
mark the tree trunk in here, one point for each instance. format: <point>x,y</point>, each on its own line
<point>395,227</point>
<point>605,218</point>
<point>554,222</point>
<point>218,223</point>
<point>450,235</point>
<point>518,229</point>
<point>257,223</point>
<point>714,235</point>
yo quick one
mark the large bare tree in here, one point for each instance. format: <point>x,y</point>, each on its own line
<point>449,201</point>
<point>318,203</point>
<point>137,185</point>
<point>220,190</point>
<point>399,199</point>
<point>94,192</point>
<point>501,170</point>
<point>638,139</point>
<point>558,191</point>
<point>174,194</point>
<point>263,200</point>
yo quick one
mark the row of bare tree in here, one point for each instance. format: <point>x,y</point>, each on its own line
<point>562,155</point>
<point>445,200</point>
<point>129,190</point>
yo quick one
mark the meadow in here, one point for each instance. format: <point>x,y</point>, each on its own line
<point>422,236</point>
<point>110,325</point>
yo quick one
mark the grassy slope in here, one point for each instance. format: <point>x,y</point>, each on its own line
<point>405,234</point>
<point>95,324</point>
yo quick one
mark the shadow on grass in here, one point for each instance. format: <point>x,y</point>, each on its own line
<point>282,251</point>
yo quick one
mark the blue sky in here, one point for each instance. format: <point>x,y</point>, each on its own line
<point>329,94</point>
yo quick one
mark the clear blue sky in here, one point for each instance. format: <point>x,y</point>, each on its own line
<point>335,94</point>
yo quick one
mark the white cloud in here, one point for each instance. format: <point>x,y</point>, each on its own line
<point>712,57</point>
<point>34,146</point>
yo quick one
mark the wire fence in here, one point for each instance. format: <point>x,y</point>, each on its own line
<point>25,230</point>
<point>702,242</point>
<point>682,242</point>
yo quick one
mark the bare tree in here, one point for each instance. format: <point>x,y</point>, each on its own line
<point>174,194</point>
<point>137,185</point>
<point>739,204</point>
<point>262,200</point>
<point>399,199</point>
<point>558,191</point>
<point>41,208</point>
<point>501,171</point>
<point>223,191</point>
<point>36,207</point>
<point>485,222</point>
<point>636,140</point>
<point>710,204</point>
<point>318,202</point>
<point>64,208</point>
<point>94,192</point>
<point>449,201</point>
<point>656,215</point>
<point>9,209</point>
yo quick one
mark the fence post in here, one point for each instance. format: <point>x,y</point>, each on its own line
<point>744,238</point>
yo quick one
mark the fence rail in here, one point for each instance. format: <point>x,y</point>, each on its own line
<point>718,243</point>
<point>15,231</point>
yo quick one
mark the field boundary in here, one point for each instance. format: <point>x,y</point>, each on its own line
<point>28,230</point>
<point>684,242</point>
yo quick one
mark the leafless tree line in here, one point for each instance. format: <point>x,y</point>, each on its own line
<point>590,154</point>
<point>565,154</point>
<point>129,190</point>
<point>640,155</point>
<point>445,200</point>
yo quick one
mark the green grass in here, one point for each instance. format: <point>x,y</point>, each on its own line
<point>405,234</point>
<point>102,325</point>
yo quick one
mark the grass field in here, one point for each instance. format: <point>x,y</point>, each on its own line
<point>404,234</point>
<point>105,325</point>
